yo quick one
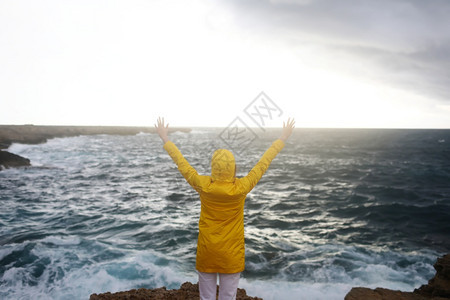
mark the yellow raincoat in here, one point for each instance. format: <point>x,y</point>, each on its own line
<point>220,245</point>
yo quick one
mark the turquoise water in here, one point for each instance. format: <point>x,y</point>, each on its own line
<point>336,209</point>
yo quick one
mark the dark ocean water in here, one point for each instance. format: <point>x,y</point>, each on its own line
<point>336,209</point>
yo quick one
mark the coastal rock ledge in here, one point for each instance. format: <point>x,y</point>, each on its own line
<point>186,291</point>
<point>438,288</point>
<point>11,160</point>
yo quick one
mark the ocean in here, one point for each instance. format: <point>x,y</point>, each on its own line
<point>337,208</point>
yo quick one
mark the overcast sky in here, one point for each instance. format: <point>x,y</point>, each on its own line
<point>328,63</point>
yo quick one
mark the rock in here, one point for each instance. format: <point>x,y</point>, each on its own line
<point>9,160</point>
<point>439,285</point>
<point>186,291</point>
<point>438,288</point>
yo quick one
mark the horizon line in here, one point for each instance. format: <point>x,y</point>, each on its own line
<point>221,127</point>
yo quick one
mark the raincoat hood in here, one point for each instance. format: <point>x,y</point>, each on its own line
<point>223,166</point>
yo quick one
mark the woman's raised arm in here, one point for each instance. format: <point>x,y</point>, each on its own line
<point>260,168</point>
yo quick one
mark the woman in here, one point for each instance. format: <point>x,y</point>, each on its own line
<point>220,245</point>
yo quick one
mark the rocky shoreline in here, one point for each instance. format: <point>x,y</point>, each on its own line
<point>33,134</point>
<point>186,291</point>
<point>438,288</point>
<point>11,160</point>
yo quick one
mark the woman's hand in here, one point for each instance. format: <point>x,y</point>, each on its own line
<point>162,130</point>
<point>287,129</point>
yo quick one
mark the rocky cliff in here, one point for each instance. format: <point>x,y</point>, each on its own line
<point>10,160</point>
<point>186,291</point>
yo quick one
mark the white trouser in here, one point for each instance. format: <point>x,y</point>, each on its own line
<point>228,283</point>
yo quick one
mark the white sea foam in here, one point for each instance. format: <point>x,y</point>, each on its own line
<point>19,148</point>
<point>70,273</point>
<point>332,270</point>
<point>273,290</point>
<point>200,131</point>
<point>144,133</point>
<point>331,282</point>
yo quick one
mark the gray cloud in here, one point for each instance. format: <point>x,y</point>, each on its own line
<point>406,42</point>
